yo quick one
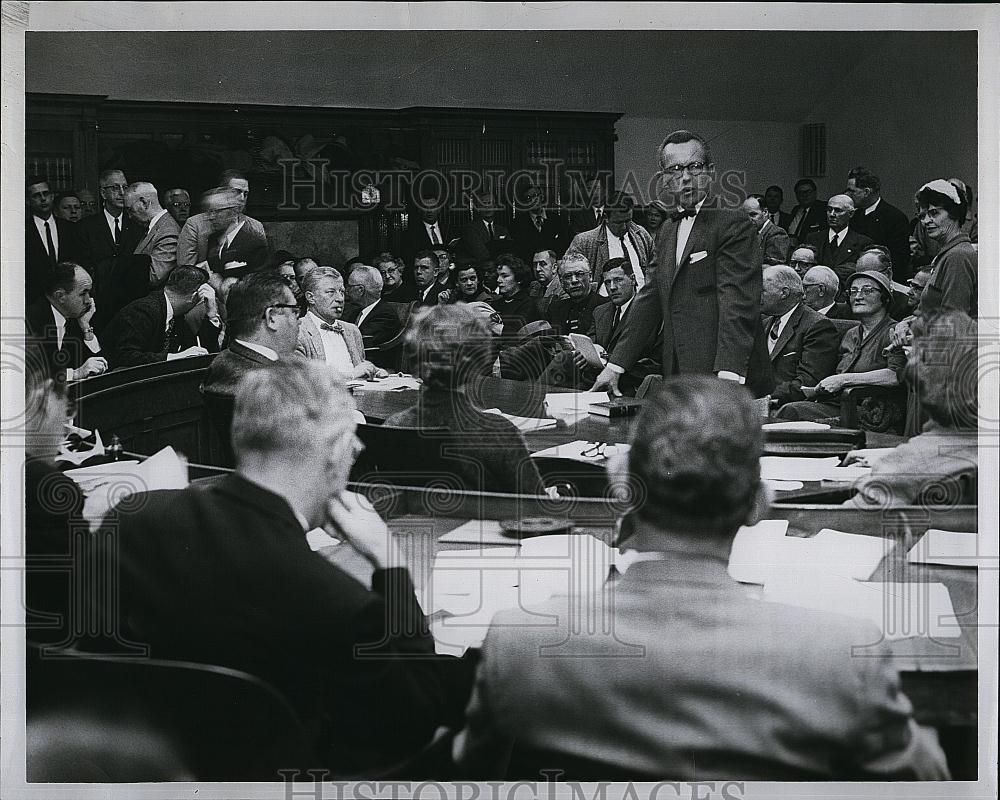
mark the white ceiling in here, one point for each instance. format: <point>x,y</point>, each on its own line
<point>723,75</point>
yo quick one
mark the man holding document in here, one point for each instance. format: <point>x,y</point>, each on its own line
<point>704,286</point>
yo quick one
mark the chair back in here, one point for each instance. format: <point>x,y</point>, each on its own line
<point>389,355</point>
<point>844,325</point>
<point>219,413</point>
<point>221,724</point>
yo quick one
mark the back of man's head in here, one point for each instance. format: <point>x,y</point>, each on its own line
<point>943,368</point>
<point>249,299</point>
<point>295,408</point>
<point>370,279</point>
<point>184,281</point>
<point>825,277</point>
<point>697,461</point>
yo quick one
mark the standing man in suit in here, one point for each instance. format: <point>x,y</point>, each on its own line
<point>234,248</point>
<point>263,326</point>
<point>193,240</point>
<point>704,290</point>
<point>617,236</point>
<point>802,343</point>
<point>773,198</point>
<point>773,243</point>
<point>820,287</point>
<point>323,336</point>
<point>377,322</point>
<point>47,240</point>
<point>879,220</point>
<point>224,575</point>
<point>809,214</point>
<point>536,228</point>
<point>60,322</point>
<point>484,238</point>
<point>838,247</point>
<point>675,672</point>
<point>158,248</point>
<point>591,214</point>
<point>425,230</point>
<point>157,328</point>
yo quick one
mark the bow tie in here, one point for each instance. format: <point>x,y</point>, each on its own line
<point>336,327</point>
<point>682,213</point>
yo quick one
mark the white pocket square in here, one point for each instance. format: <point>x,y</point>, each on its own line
<point>695,257</point>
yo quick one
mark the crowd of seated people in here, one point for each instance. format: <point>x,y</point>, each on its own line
<point>801,307</point>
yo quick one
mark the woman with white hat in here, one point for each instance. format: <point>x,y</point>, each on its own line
<point>954,281</point>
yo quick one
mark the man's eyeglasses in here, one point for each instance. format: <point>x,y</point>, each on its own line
<point>213,212</point>
<point>866,291</point>
<point>300,308</point>
<point>114,188</point>
<point>694,168</point>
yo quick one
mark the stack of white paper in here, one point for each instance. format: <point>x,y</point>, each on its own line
<point>394,383</point>
<point>947,548</point>
<point>572,405</point>
<point>788,468</point>
<point>78,450</point>
<point>796,425</point>
<point>105,485</point>
<point>525,424</point>
<point>899,610</point>
<point>588,452</point>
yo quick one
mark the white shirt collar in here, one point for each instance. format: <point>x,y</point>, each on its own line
<point>697,208</point>
<point>317,320</point>
<point>872,207</point>
<point>59,318</point>
<point>826,309</point>
<point>232,234</point>
<point>110,218</point>
<point>783,319</point>
<point>170,310</point>
<point>767,221</point>
<point>156,219</point>
<point>624,306</point>
<point>265,351</point>
<point>839,236</point>
<point>366,311</point>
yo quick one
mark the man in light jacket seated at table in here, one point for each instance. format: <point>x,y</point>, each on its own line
<point>675,671</point>
<point>939,466</point>
<point>223,574</point>
<point>323,335</point>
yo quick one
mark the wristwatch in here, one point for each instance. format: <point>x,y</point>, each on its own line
<point>88,334</point>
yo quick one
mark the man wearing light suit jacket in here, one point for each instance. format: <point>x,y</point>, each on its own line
<point>616,237</point>
<point>323,335</point>
<point>704,288</point>
<point>159,245</point>
<point>803,344</point>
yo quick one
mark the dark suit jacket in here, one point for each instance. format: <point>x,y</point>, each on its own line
<point>708,304</point>
<point>112,266</point>
<point>476,243</point>
<point>416,239</point>
<point>248,245</point>
<point>229,367</point>
<point>888,226</point>
<point>805,353</point>
<point>41,328</point>
<point>381,324</point>
<point>784,219</point>
<point>583,219</point>
<point>839,311</point>
<point>774,244</point>
<point>37,261</point>
<point>224,575</point>
<point>528,240</point>
<point>813,221</point>
<point>404,293</point>
<point>561,309</point>
<point>847,254</point>
<point>137,334</point>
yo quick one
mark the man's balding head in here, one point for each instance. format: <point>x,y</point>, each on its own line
<point>142,201</point>
<point>839,210</point>
<point>782,290</point>
<point>820,286</point>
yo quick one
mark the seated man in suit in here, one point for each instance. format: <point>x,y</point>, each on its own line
<point>377,322</point>
<point>323,336</point>
<point>426,274</point>
<point>838,247</point>
<point>193,242</point>
<point>48,240</point>
<point>616,237</point>
<point>802,343</point>
<point>773,243</point>
<point>224,575</point>
<point>59,322</point>
<point>394,288</point>
<point>675,672</point>
<point>821,286</point>
<point>484,237</point>
<point>548,286</point>
<point>773,198</point>
<point>263,327</point>
<point>156,327</point>
<point>809,213</point>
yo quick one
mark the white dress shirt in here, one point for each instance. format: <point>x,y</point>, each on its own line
<point>778,327</point>
<point>838,236</point>
<point>335,348</point>
<point>433,232</point>
<point>53,229</point>
<point>629,253</point>
<point>365,312</point>
<point>684,231</point>
<point>826,310</point>
<point>92,344</point>
<point>264,350</point>
<point>227,240</point>
<point>872,207</point>
<point>110,220</point>
<point>156,219</point>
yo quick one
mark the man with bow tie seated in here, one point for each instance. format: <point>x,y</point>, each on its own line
<point>161,327</point>
<point>324,336</point>
<point>703,287</point>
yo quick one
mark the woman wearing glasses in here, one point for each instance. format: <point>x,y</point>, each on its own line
<point>954,282</point>
<point>866,358</point>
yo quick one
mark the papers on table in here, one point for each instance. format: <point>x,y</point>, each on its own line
<point>785,486</point>
<point>105,485</point>
<point>478,531</point>
<point>764,553</point>
<point>899,610</point>
<point>947,548</point>
<point>572,405</point>
<point>80,444</point>
<point>797,425</point>
<point>394,383</point>
<point>524,424</point>
<point>587,452</point>
<point>787,468</point>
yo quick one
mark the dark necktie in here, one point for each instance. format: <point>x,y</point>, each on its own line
<point>118,231</point>
<point>170,336</point>
<point>834,247</point>
<point>628,256</point>
<point>50,244</point>
<point>682,213</point>
<point>336,327</point>
<point>435,236</point>
<point>489,227</point>
<point>616,319</point>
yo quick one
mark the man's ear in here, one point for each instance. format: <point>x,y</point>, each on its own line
<point>760,505</point>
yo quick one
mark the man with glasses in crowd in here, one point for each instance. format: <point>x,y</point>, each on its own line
<point>704,292</point>
<point>821,286</point>
<point>178,204</point>
<point>803,259</point>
